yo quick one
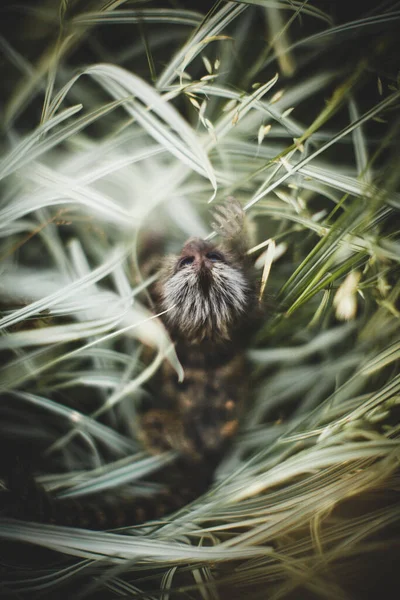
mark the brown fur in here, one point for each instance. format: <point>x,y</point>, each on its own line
<point>209,295</point>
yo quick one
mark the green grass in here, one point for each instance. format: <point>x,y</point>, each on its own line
<point>123,121</point>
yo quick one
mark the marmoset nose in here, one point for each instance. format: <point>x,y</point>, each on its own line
<point>202,263</point>
<point>204,275</point>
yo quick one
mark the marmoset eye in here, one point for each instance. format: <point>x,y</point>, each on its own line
<point>214,256</point>
<point>187,260</point>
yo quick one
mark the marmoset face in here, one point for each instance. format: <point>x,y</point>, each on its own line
<point>204,292</point>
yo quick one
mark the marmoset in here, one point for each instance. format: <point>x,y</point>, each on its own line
<point>208,300</point>
<point>208,294</point>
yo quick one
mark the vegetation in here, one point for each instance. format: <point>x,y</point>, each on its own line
<point>122,122</point>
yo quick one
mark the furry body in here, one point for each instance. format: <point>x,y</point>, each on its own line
<point>210,302</point>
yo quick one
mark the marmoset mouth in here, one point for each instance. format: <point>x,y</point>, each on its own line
<point>205,278</point>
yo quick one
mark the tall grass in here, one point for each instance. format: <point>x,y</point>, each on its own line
<point>121,123</point>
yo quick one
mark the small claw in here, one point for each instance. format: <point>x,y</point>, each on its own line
<point>229,217</point>
<point>225,231</point>
<point>235,206</point>
<point>230,211</point>
<point>221,220</point>
<point>217,228</point>
<point>225,211</point>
